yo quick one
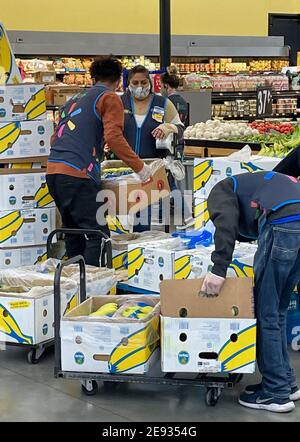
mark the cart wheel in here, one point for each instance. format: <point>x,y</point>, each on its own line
<point>32,357</point>
<point>89,388</point>
<point>212,396</point>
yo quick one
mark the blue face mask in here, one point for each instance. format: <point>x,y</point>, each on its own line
<point>140,93</point>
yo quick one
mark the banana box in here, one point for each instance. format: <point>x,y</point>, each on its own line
<point>208,335</point>
<point>148,265</point>
<point>24,189</point>
<point>27,315</point>
<point>208,172</point>
<point>110,345</point>
<point>19,228</point>
<point>22,102</point>
<point>9,72</point>
<point>201,215</point>
<point>23,139</point>
<point>25,256</point>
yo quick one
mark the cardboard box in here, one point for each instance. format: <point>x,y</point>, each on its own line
<point>24,189</point>
<point>108,345</point>
<point>23,139</point>
<point>208,335</point>
<point>59,95</point>
<point>21,228</point>
<point>130,196</point>
<point>27,316</point>
<point>208,172</point>
<point>25,256</point>
<point>45,77</point>
<point>22,102</point>
<point>149,265</point>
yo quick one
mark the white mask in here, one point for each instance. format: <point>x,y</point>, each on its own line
<point>140,93</point>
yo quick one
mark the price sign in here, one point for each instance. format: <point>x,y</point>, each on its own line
<point>264,101</point>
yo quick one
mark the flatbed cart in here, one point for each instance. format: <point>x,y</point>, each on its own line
<point>89,381</point>
<point>36,351</point>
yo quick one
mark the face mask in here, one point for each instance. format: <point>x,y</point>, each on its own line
<point>140,93</point>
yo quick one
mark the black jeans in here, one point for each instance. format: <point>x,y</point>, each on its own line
<point>76,201</point>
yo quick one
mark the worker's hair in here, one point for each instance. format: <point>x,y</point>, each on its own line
<point>106,69</point>
<point>171,79</point>
<point>140,69</point>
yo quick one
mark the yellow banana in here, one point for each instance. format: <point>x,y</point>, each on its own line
<point>43,197</point>
<point>36,106</point>
<point>201,215</point>
<point>235,355</point>
<point>9,327</point>
<point>136,261</point>
<point>250,167</point>
<point>9,225</point>
<point>202,174</point>
<point>242,270</point>
<point>183,267</point>
<point>106,310</point>
<point>120,261</point>
<point>115,225</point>
<point>138,349</point>
<point>9,135</point>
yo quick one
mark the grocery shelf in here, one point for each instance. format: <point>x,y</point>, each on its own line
<point>252,94</point>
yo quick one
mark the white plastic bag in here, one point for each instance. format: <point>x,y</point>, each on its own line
<point>242,156</point>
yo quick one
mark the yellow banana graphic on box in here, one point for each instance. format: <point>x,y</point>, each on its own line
<point>42,258</point>
<point>235,355</point>
<point>9,135</point>
<point>6,57</point>
<point>9,225</point>
<point>139,348</point>
<point>115,225</point>
<point>9,327</point>
<point>250,167</point>
<point>43,197</point>
<point>136,261</point>
<point>36,106</point>
<point>202,174</point>
<point>201,215</point>
<point>120,262</point>
<point>183,267</point>
<point>242,270</point>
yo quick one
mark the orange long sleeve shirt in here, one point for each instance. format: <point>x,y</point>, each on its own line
<point>111,111</point>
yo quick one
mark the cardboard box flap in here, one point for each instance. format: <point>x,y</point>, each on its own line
<point>183,299</point>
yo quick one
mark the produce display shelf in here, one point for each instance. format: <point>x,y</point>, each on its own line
<point>254,117</point>
<point>237,94</point>
<point>222,144</point>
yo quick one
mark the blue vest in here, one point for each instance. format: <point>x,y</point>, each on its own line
<point>261,194</point>
<point>78,140</point>
<point>141,139</point>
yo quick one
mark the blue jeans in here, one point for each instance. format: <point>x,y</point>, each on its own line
<point>277,272</point>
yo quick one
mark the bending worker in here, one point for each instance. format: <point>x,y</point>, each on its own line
<point>263,206</point>
<point>170,85</point>
<point>73,172</point>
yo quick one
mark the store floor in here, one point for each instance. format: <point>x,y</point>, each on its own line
<point>30,393</point>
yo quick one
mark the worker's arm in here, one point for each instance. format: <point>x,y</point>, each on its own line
<point>224,212</point>
<point>111,111</point>
<point>172,123</point>
<point>290,165</point>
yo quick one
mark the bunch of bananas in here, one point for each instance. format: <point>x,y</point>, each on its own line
<point>137,311</point>
<point>116,172</point>
<point>107,310</point>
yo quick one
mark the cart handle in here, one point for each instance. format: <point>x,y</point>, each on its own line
<point>57,302</point>
<point>105,238</point>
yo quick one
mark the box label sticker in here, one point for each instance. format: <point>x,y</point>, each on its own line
<point>19,304</point>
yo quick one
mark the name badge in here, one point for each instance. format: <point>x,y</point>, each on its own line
<point>158,114</point>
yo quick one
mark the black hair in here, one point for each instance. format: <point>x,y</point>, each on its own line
<point>171,80</point>
<point>140,69</point>
<point>106,69</point>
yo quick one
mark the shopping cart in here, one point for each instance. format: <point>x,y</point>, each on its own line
<point>89,381</point>
<point>36,351</point>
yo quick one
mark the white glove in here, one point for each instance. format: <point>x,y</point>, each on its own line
<point>145,174</point>
<point>212,284</point>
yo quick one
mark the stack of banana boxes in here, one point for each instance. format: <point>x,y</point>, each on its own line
<point>27,211</point>
<point>209,171</point>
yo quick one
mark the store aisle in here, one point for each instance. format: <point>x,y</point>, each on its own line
<point>30,393</point>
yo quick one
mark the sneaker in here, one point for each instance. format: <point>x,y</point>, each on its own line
<point>262,401</point>
<point>294,396</point>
